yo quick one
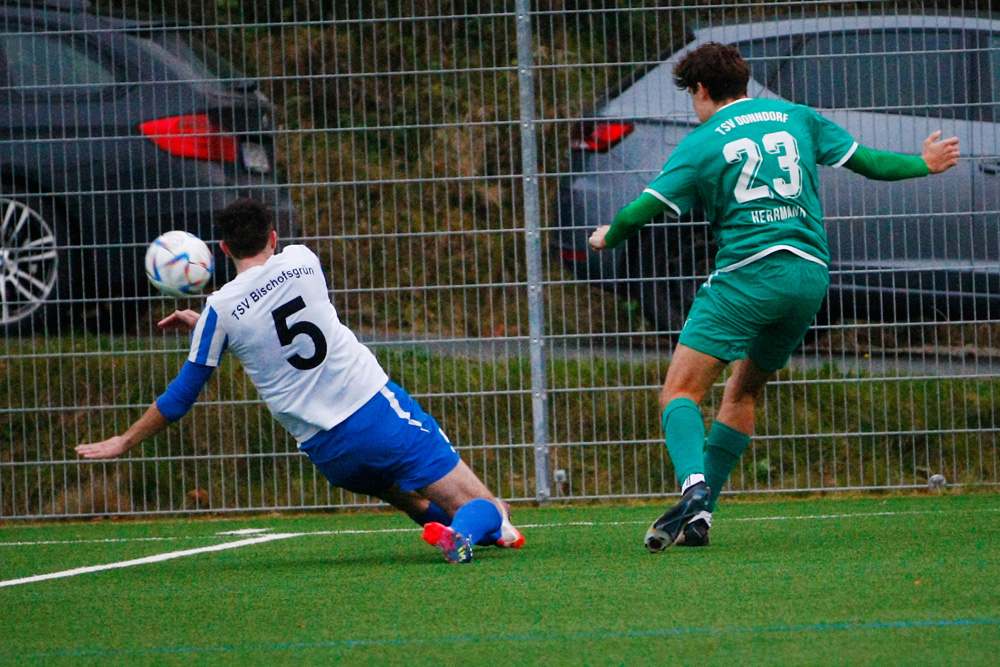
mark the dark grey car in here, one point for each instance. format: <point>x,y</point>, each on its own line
<point>903,251</point>
<point>113,131</point>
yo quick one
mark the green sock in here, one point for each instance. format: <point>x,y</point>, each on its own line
<point>684,433</point>
<point>723,450</point>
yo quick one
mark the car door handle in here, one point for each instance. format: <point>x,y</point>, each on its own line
<point>992,169</point>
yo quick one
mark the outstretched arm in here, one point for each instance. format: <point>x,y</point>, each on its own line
<point>151,423</point>
<point>628,222</point>
<point>939,155</point>
<point>173,404</point>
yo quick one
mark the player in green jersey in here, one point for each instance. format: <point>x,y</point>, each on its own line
<point>752,167</point>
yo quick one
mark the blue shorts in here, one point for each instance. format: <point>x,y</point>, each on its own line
<point>390,440</point>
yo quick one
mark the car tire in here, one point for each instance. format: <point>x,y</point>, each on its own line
<point>34,280</point>
<point>108,305</point>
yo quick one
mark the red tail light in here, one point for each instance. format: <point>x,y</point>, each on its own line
<point>599,137</point>
<point>193,136</point>
<point>573,255</point>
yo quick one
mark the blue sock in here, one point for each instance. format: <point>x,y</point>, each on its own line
<point>490,539</point>
<point>433,513</point>
<point>477,519</point>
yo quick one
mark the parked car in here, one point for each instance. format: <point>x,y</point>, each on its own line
<point>113,131</point>
<point>903,251</point>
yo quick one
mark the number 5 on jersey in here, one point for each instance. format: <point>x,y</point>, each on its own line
<point>287,334</point>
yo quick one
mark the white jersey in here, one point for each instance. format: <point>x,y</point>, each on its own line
<point>277,319</point>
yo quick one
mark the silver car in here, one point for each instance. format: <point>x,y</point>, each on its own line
<point>903,251</point>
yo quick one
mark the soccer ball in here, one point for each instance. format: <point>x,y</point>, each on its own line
<point>179,263</point>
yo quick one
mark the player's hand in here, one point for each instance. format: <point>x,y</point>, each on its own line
<point>940,154</point>
<point>597,238</point>
<point>180,320</point>
<point>107,449</point>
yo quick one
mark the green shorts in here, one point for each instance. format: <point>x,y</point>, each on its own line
<point>761,310</point>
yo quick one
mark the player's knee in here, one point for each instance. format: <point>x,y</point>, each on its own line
<point>668,396</point>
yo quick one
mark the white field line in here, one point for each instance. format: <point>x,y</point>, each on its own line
<point>244,531</point>
<point>148,559</point>
<point>565,524</point>
<point>804,517</point>
<point>108,540</point>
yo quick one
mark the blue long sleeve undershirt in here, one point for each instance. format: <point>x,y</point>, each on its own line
<point>177,400</point>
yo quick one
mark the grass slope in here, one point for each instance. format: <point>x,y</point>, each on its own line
<point>901,580</point>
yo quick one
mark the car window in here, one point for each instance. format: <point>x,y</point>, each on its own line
<point>204,63</point>
<point>989,77</point>
<point>766,56</point>
<point>51,63</point>
<point>913,72</point>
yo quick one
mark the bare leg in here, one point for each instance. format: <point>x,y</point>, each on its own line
<point>456,488</point>
<point>410,502</point>
<point>478,517</point>
<point>743,389</point>
<point>691,375</point>
<point>730,435</point>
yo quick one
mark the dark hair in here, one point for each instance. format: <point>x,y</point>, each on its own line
<point>718,67</point>
<point>245,226</point>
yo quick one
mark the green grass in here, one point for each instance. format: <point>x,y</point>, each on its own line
<point>896,580</point>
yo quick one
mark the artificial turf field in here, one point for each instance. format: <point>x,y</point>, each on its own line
<point>869,581</point>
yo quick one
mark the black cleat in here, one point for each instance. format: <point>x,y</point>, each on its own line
<point>669,528</point>
<point>695,533</point>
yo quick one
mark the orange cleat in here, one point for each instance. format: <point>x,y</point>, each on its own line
<point>455,547</point>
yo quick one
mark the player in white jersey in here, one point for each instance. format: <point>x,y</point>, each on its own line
<point>362,431</point>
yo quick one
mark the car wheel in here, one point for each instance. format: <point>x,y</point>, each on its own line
<point>672,263</point>
<point>31,278</point>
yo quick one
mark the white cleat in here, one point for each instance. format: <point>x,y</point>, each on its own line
<point>510,537</point>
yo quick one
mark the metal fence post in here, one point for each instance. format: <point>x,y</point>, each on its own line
<point>533,247</point>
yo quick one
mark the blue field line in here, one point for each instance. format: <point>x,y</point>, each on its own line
<point>573,636</point>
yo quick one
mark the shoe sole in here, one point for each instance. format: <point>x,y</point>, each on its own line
<point>656,540</point>
<point>514,542</point>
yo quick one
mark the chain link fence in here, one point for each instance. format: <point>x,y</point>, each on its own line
<point>447,162</point>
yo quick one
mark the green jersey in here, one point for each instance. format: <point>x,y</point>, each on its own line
<point>753,168</point>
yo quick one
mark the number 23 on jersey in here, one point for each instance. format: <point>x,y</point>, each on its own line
<point>786,151</point>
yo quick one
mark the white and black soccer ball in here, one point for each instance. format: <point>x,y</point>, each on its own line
<point>179,263</point>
